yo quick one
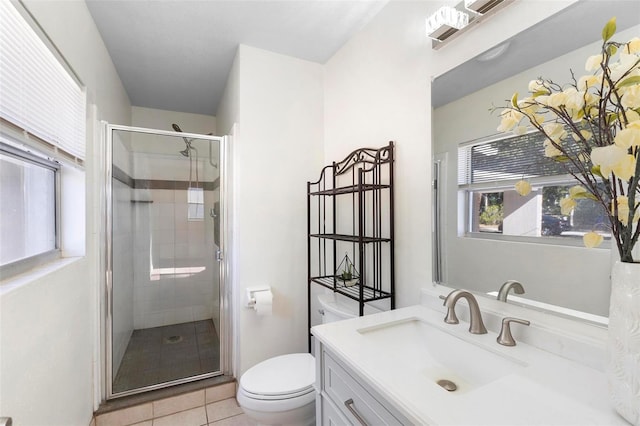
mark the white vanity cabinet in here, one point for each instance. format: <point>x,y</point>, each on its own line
<point>345,399</point>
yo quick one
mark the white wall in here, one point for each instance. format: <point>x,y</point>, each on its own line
<point>376,90</point>
<point>48,325</point>
<point>276,151</point>
<point>160,119</point>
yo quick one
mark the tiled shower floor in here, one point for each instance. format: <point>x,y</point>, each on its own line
<point>163,354</point>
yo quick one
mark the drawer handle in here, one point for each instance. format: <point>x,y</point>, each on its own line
<point>349,404</point>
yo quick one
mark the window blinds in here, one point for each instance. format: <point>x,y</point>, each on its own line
<point>497,162</point>
<point>37,93</point>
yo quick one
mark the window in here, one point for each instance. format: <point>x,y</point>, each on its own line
<point>42,116</point>
<point>487,172</point>
<point>39,95</point>
<point>28,205</point>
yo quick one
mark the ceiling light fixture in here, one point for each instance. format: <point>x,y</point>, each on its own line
<point>481,6</point>
<point>445,22</point>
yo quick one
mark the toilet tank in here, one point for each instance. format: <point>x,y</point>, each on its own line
<point>334,307</point>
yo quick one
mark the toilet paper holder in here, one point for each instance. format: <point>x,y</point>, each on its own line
<point>251,292</point>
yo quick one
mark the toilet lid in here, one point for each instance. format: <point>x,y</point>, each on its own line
<point>282,375</point>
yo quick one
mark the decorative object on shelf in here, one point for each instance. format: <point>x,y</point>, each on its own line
<point>347,272</point>
<point>592,126</point>
<point>350,210</point>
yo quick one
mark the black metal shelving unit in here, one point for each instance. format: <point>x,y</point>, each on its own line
<point>350,211</point>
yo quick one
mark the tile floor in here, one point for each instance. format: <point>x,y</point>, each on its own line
<point>162,354</point>
<point>207,407</point>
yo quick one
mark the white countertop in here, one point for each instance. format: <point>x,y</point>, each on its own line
<point>545,389</point>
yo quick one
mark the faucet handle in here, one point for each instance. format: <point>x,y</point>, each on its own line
<point>451,317</point>
<point>506,338</point>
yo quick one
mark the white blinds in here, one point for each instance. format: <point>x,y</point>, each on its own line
<point>498,162</point>
<point>36,91</point>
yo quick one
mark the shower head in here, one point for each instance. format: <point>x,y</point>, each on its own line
<point>186,141</point>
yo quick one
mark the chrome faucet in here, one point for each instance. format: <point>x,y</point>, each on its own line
<point>507,286</point>
<point>476,325</point>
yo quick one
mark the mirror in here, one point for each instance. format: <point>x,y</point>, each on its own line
<point>557,272</point>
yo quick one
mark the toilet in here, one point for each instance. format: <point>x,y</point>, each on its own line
<point>279,390</point>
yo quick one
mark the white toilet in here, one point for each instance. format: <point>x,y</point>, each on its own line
<point>279,391</point>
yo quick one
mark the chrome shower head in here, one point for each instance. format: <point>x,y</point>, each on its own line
<point>186,141</point>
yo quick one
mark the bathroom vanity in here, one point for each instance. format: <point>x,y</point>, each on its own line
<point>385,369</point>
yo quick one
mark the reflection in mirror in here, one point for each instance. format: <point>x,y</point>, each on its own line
<point>488,234</point>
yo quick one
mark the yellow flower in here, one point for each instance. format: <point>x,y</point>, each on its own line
<point>538,118</point>
<point>632,116</point>
<point>633,46</point>
<point>557,99</point>
<point>536,86</point>
<point>587,81</point>
<point>623,209</point>
<point>555,131</point>
<point>629,136</point>
<point>592,239</point>
<point>528,106</point>
<point>510,118</point>
<point>631,97</point>
<point>591,99</point>
<point>543,100</point>
<point>574,99</point>
<point>593,62</point>
<point>567,205</point>
<point>625,64</point>
<point>625,168</point>
<point>607,157</point>
<point>523,187</point>
<point>520,130</point>
<point>550,149</point>
<point>584,133</point>
<point>576,191</point>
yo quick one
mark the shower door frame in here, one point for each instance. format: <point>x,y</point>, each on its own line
<point>220,256</point>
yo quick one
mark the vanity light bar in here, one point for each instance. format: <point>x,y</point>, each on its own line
<point>445,22</point>
<point>481,6</point>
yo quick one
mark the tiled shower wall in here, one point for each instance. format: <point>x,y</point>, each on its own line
<point>176,275</point>
<point>175,272</point>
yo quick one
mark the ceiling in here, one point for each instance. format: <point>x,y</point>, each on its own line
<point>571,28</point>
<point>176,54</point>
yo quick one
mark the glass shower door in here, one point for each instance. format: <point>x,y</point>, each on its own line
<point>164,322</point>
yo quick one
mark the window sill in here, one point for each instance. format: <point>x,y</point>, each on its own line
<point>17,281</point>
<point>555,241</point>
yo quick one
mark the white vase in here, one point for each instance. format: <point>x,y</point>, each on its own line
<point>623,348</point>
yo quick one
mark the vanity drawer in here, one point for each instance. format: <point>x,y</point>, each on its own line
<point>351,398</point>
<point>331,415</point>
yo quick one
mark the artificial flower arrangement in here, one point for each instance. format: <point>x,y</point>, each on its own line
<point>592,126</point>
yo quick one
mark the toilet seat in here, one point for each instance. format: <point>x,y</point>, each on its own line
<point>282,377</point>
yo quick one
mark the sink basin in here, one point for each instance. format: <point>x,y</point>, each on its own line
<point>414,345</point>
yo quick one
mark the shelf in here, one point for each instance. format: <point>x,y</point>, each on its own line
<point>350,238</point>
<point>363,222</point>
<point>353,292</point>
<point>352,189</point>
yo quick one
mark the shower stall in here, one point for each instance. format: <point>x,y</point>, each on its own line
<point>165,235</point>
